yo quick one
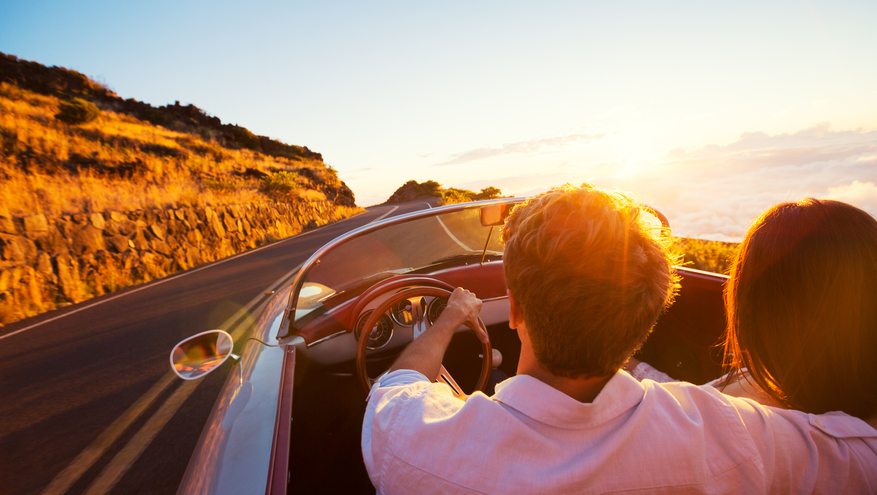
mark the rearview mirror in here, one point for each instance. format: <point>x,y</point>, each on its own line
<point>494,215</point>
<point>201,353</point>
<point>655,219</point>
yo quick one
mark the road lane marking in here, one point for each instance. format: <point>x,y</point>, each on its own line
<point>453,237</point>
<point>122,461</point>
<point>384,215</point>
<point>71,474</point>
<point>120,464</point>
<point>149,285</point>
<point>92,453</point>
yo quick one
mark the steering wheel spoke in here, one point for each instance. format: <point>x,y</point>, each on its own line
<point>420,323</point>
<point>445,377</point>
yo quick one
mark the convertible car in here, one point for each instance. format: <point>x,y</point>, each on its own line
<point>289,417</point>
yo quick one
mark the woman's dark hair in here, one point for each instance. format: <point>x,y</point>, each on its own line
<point>802,307</point>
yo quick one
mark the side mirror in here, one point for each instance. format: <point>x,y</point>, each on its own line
<point>494,215</point>
<point>201,353</point>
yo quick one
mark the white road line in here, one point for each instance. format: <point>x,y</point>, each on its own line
<point>66,478</point>
<point>454,238</point>
<point>144,287</point>
<point>122,461</point>
<point>120,464</point>
<point>384,215</point>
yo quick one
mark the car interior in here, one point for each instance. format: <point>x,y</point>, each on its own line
<point>329,400</point>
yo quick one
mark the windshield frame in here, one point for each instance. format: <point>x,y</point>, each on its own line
<point>288,326</point>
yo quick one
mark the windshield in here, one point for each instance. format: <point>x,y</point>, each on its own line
<point>397,249</point>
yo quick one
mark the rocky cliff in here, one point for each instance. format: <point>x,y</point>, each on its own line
<point>47,262</point>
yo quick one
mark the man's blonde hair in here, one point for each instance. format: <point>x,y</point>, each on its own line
<point>590,276</point>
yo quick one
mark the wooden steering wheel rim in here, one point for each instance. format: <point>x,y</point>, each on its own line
<point>362,343</point>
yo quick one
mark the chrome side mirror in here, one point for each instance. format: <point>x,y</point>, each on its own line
<point>201,353</point>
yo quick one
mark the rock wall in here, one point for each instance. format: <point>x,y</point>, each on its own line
<point>46,263</point>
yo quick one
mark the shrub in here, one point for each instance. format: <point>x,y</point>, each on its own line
<point>246,139</point>
<point>77,111</point>
<point>453,195</point>
<point>280,185</point>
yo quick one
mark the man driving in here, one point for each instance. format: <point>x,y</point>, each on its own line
<point>587,280</point>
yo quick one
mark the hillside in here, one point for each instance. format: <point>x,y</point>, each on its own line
<point>413,190</point>
<point>98,193</point>
<point>133,155</point>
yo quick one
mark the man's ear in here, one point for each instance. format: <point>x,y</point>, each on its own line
<point>516,317</point>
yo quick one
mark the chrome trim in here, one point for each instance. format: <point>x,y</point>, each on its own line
<point>393,315</point>
<point>288,323</point>
<point>701,272</point>
<point>392,332</point>
<point>418,316</point>
<point>328,337</point>
<point>363,317</point>
<point>389,321</point>
<point>497,298</point>
<point>296,341</point>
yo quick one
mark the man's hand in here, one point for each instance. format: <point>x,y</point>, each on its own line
<point>425,354</point>
<point>465,307</point>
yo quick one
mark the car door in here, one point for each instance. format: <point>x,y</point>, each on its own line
<point>244,447</point>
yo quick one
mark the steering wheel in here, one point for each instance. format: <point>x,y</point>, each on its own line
<point>419,325</point>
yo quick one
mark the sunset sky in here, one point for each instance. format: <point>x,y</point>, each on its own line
<point>710,111</point>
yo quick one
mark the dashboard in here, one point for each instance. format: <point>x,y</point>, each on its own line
<point>394,329</point>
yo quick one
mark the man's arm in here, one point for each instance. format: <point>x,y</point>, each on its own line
<point>425,354</point>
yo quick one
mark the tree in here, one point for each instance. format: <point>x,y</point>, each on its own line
<point>488,193</point>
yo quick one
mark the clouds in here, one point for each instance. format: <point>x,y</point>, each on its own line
<point>861,194</point>
<point>719,190</point>
<point>520,148</point>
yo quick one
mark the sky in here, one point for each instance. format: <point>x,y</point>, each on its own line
<point>710,111</point>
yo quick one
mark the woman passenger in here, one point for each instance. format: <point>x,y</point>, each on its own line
<point>801,304</point>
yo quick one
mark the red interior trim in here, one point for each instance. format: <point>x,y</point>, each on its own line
<point>486,281</point>
<point>278,472</point>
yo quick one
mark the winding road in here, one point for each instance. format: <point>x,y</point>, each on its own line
<point>85,402</point>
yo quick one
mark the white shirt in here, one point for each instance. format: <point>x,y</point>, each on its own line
<point>742,385</point>
<point>635,437</point>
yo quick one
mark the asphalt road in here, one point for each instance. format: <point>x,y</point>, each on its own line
<point>70,379</point>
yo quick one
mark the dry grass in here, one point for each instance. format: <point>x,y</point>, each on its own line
<point>120,163</point>
<point>710,256</point>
